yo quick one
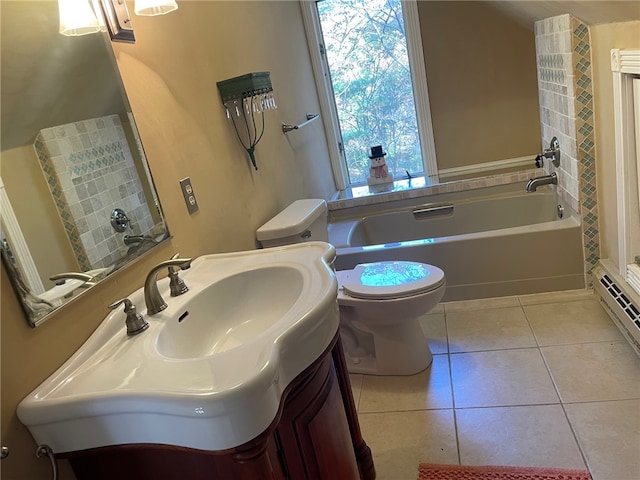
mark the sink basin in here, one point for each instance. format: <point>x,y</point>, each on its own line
<point>209,371</point>
<point>231,312</point>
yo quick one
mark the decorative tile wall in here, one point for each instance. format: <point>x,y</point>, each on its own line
<point>566,111</point>
<point>90,171</point>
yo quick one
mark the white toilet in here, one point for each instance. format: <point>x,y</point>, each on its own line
<point>379,302</point>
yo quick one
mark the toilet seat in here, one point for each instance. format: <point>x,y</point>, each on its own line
<point>390,279</point>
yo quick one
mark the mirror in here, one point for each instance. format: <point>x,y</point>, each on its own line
<point>77,198</point>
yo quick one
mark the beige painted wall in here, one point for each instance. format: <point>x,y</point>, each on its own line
<point>481,75</point>
<point>34,207</point>
<point>604,37</point>
<point>170,75</point>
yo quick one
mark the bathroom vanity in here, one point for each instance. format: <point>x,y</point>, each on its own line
<point>315,435</point>
<point>241,377</point>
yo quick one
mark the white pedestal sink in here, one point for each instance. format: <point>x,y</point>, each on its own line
<point>209,371</point>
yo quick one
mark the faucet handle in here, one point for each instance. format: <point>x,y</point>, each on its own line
<point>176,284</point>
<point>553,152</point>
<point>135,322</point>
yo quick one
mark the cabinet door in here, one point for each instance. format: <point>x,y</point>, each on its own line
<point>256,460</point>
<point>313,432</point>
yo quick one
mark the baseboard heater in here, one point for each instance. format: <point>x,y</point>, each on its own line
<point>622,306</point>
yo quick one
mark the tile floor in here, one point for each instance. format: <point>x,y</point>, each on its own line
<point>540,380</point>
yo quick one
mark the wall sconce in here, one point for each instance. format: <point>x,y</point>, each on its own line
<point>154,7</point>
<point>244,97</point>
<point>77,17</point>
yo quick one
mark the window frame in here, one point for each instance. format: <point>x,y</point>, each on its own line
<point>328,109</point>
<point>625,66</point>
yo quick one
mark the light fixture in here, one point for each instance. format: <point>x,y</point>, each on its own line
<point>77,17</point>
<point>154,7</point>
<point>118,20</point>
<point>244,97</point>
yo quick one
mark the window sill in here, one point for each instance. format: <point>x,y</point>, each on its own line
<point>419,187</point>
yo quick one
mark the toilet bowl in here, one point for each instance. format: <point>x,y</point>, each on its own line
<point>380,303</point>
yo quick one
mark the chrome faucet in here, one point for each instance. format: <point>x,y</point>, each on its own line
<point>137,239</point>
<point>60,278</point>
<point>534,183</point>
<point>154,301</point>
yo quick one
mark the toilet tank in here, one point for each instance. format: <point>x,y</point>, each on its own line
<point>302,221</point>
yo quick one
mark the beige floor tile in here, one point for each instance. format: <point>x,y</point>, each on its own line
<point>435,329</point>
<point>482,303</point>
<point>439,308</point>
<point>501,378</point>
<point>356,387</point>
<point>535,436</point>
<point>571,322</point>
<point>490,329</point>
<point>400,441</point>
<point>609,435</point>
<point>426,390</point>
<point>592,372</point>
<point>551,297</point>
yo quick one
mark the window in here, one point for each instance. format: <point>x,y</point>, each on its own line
<point>370,72</point>
<point>625,65</point>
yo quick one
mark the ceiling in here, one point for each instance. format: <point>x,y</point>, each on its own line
<point>590,12</point>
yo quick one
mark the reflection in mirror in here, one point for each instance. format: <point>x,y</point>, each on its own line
<point>76,194</point>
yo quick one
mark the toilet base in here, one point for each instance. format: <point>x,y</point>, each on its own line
<point>388,350</point>
<point>369,366</point>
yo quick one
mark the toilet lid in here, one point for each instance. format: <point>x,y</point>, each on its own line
<point>386,280</point>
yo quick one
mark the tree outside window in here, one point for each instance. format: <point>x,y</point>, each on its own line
<point>366,51</point>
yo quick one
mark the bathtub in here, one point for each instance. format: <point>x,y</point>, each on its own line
<point>490,242</point>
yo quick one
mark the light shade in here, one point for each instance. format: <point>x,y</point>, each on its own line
<point>154,7</point>
<point>77,18</point>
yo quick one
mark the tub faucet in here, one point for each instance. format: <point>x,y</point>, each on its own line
<point>534,183</point>
<point>154,301</point>
<point>61,278</point>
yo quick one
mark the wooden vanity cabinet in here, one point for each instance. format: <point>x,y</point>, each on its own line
<point>315,436</point>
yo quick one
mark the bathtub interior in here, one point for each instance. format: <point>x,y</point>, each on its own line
<point>517,246</point>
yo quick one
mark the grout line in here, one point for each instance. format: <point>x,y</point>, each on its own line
<point>453,395</point>
<point>408,410</point>
<point>519,405</point>
<point>535,337</point>
<point>577,440</point>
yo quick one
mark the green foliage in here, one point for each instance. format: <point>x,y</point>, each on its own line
<point>367,55</point>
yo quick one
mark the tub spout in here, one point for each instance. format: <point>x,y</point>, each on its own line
<point>534,183</point>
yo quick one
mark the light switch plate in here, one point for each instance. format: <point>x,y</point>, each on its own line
<point>189,195</point>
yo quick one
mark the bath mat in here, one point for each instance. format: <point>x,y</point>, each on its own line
<point>430,471</point>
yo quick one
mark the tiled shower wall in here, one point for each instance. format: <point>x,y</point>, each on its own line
<point>566,111</point>
<point>90,171</point>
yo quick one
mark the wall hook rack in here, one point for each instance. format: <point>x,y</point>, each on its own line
<point>310,118</point>
<point>248,97</point>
